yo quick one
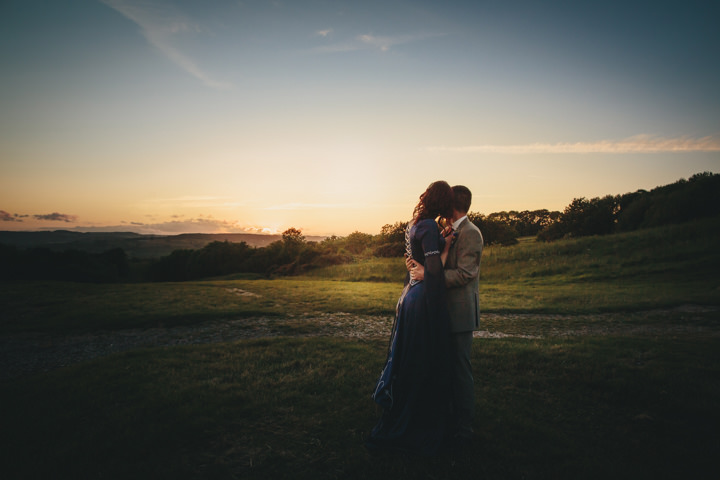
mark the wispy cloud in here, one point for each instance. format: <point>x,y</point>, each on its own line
<point>57,217</point>
<point>635,144</point>
<point>311,206</point>
<point>198,225</point>
<point>372,42</point>
<point>160,25</point>
<point>323,33</point>
<point>383,43</point>
<point>172,227</point>
<point>263,230</point>
<point>192,201</point>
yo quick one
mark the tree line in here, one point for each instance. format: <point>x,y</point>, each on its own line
<point>681,201</point>
<point>71,265</point>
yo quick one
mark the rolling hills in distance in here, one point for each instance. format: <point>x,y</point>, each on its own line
<point>135,245</point>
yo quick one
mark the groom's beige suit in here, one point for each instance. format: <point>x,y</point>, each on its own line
<point>462,269</point>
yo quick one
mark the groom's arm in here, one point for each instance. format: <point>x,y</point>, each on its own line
<point>469,248</point>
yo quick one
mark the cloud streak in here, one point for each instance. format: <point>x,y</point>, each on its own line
<point>7,217</point>
<point>57,217</point>
<point>160,25</point>
<point>175,227</point>
<point>635,144</point>
<point>198,201</point>
<point>372,42</point>
<point>311,206</point>
<point>197,225</point>
<point>385,43</point>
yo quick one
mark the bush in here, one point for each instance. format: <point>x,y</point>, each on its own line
<point>357,242</point>
<point>386,250</point>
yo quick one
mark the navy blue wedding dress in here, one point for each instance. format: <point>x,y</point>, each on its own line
<point>414,387</point>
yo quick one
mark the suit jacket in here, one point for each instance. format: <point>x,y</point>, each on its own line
<point>462,271</point>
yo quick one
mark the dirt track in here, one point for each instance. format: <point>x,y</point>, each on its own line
<point>22,354</point>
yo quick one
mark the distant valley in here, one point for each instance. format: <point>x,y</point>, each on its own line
<point>135,245</point>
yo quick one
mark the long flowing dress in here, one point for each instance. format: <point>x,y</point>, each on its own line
<point>414,386</point>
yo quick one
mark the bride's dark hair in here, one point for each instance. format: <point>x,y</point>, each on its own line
<point>436,200</point>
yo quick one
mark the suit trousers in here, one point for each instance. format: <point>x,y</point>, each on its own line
<point>462,382</point>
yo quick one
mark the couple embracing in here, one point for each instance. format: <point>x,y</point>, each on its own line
<point>426,387</point>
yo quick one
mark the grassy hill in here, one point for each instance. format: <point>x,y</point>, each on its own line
<point>672,252</point>
<point>663,266</point>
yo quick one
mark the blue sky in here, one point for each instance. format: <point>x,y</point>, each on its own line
<point>331,116</point>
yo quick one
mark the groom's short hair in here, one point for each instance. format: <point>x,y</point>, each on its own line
<point>463,198</point>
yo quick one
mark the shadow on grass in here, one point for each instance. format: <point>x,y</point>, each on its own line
<point>300,408</point>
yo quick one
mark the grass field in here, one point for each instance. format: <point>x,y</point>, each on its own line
<point>663,267</point>
<point>300,408</point>
<point>640,405</point>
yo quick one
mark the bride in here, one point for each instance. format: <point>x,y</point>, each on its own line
<point>414,386</point>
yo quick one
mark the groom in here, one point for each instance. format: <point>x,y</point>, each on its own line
<point>462,270</point>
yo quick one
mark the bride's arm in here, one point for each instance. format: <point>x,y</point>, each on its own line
<point>417,271</point>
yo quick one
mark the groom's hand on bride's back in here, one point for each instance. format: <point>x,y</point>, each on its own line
<point>409,262</point>
<point>417,271</point>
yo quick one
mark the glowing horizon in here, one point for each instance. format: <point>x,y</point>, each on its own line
<point>179,224</point>
<point>164,116</point>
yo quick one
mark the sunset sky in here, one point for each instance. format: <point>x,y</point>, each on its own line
<point>160,116</point>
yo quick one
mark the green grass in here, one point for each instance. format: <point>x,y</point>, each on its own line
<point>686,252</point>
<point>367,270</point>
<point>300,408</point>
<point>638,405</point>
<point>64,306</point>
<point>67,307</point>
<point>677,252</point>
<point>663,267</point>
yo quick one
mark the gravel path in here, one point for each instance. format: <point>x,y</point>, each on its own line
<point>22,354</point>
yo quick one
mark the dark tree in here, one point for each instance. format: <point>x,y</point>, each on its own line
<point>293,236</point>
<point>494,231</point>
<point>393,233</point>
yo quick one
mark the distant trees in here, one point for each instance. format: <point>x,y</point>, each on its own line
<point>526,223</point>
<point>69,265</point>
<point>678,202</point>
<point>583,217</point>
<point>391,241</point>
<point>681,201</point>
<point>290,255</point>
<point>697,197</point>
<point>216,258</point>
<point>357,242</point>
<point>504,228</point>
